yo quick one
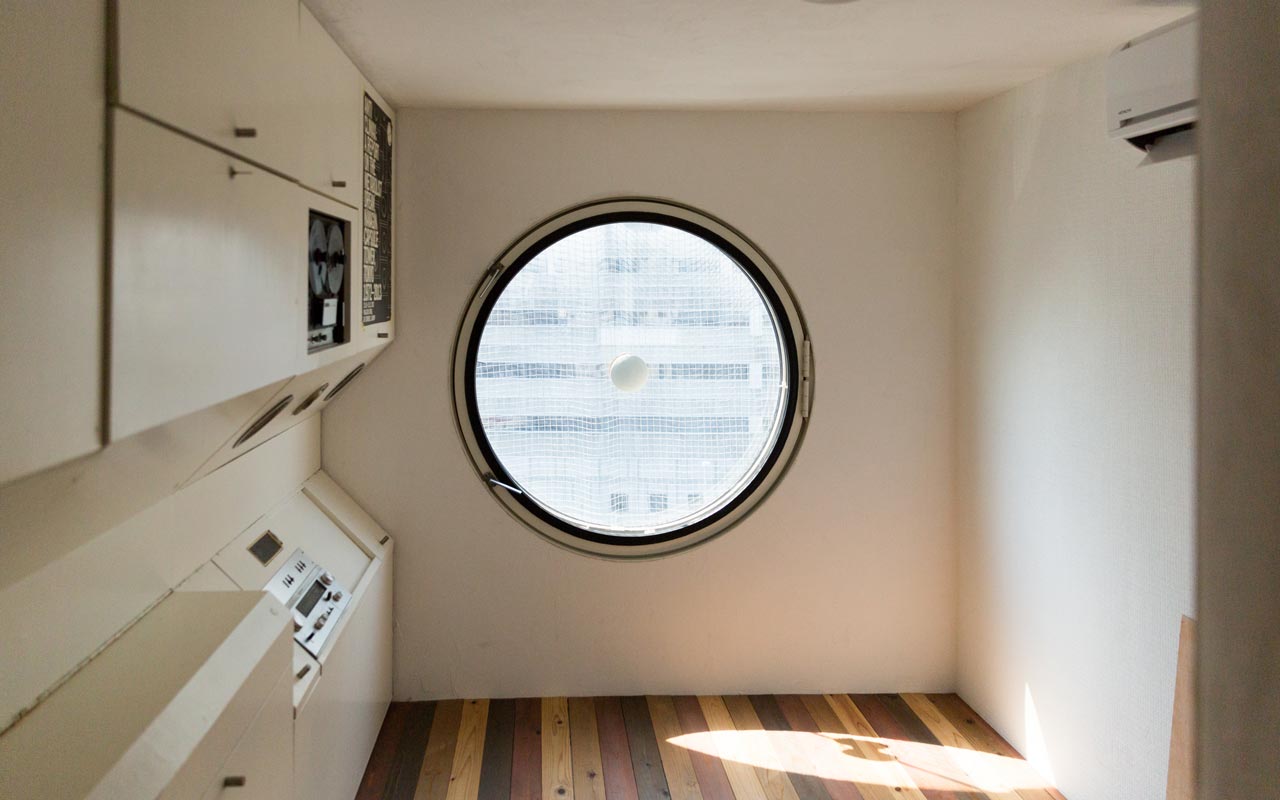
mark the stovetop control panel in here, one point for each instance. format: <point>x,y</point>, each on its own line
<point>315,598</point>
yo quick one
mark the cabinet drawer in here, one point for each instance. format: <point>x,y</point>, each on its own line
<point>260,711</point>
<point>261,766</point>
<point>212,69</point>
<point>333,91</point>
<point>206,251</point>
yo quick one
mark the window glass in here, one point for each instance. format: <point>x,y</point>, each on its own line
<point>629,379</point>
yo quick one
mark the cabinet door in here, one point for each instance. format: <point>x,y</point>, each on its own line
<point>336,729</point>
<point>261,766</point>
<point>225,72</point>
<point>332,138</point>
<point>206,252</point>
<point>51,221</point>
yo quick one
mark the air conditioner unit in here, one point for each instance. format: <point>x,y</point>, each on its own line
<point>1153,84</point>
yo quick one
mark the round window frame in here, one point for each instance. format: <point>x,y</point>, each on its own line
<point>795,349</point>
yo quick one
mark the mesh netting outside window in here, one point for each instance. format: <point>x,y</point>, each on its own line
<point>657,456</point>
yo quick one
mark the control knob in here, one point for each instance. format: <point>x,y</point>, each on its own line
<point>326,579</point>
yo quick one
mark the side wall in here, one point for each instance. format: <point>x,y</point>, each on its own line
<point>1239,420</point>
<point>1075,425</point>
<point>843,579</point>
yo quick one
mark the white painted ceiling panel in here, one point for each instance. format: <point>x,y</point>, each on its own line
<point>911,55</point>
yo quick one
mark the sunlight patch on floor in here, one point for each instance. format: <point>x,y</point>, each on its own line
<point>868,760</point>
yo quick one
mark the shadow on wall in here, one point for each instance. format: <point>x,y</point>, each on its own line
<point>1178,145</point>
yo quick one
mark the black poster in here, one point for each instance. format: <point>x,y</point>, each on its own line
<point>377,214</point>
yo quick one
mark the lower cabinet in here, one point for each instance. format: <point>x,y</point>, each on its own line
<point>338,723</point>
<point>340,694</point>
<point>195,692</point>
<point>260,768</point>
<point>209,695</point>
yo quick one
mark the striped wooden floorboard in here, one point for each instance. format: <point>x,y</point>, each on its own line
<point>762,747</point>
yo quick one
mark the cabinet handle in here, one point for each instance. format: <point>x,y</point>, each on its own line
<point>246,133</point>
<point>232,172</point>
<point>339,184</point>
<point>234,780</point>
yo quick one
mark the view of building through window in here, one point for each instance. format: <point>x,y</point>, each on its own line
<point>710,400</point>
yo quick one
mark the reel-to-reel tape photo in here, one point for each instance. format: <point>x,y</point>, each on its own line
<point>326,281</point>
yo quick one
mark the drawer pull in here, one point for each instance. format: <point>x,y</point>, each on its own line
<point>339,184</point>
<point>232,172</point>
<point>246,133</point>
<point>234,780</point>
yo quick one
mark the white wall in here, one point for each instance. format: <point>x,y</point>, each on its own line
<point>843,579</point>
<point>1074,419</point>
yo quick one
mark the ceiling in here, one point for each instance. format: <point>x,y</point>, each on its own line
<point>911,55</point>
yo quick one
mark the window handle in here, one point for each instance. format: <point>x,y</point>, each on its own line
<point>495,482</point>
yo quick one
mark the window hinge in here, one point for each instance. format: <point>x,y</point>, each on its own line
<point>806,378</point>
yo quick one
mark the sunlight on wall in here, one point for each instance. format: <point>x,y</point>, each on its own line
<point>867,760</point>
<point>1037,750</point>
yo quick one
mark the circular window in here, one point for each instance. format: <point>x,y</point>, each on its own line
<point>629,377</point>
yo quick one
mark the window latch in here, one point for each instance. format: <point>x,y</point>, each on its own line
<point>495,482</point>
<point>806,379</point>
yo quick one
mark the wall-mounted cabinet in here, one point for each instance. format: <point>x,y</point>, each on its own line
<point>189,284</point>
<point>205,256</point>
<point>224,72</point>
<point>301,398</point>
<point>51,203</point>
<point>220,282</point>
<point>332,91</point>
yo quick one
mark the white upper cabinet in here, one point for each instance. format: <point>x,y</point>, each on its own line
<point>225,72</point>
<point>207,258</point>
<point>233,120</point>
<point>332,92</point>
<point>51,262</point>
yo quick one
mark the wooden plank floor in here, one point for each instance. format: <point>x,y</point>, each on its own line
<point>762,747</point>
